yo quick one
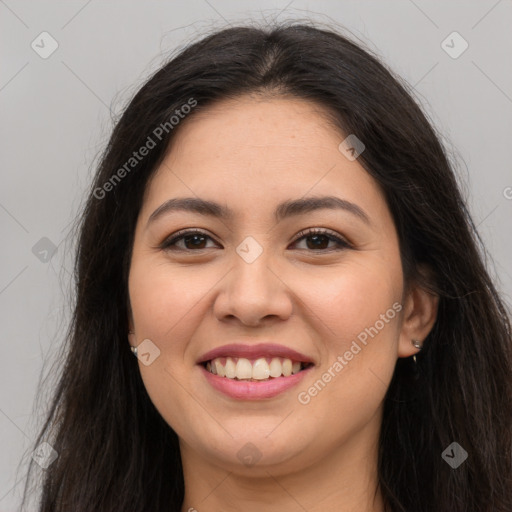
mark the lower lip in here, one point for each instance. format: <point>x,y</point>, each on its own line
<point>250,390</point>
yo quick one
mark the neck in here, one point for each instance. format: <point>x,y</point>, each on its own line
<point>345,480</point>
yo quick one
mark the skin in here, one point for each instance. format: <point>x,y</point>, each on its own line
<point>252,153</point>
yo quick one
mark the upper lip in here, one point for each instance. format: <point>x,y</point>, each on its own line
<point>254,351</point>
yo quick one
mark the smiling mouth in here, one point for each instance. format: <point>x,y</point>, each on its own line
<point>254,370</point>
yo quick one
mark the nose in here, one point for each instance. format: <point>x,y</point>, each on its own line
<point>253,293</point>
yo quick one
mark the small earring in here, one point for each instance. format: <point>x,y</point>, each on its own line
<point>133,349</point>
<point>417,344</point>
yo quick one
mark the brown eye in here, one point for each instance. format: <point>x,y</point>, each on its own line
<point>319,239</point>
<point>192,240</point>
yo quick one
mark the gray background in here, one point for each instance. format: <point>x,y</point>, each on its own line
<point>56,115</point>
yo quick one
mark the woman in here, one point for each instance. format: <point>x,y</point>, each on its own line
<point>275,232</point>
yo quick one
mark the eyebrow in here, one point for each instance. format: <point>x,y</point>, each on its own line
<point>284,210</point>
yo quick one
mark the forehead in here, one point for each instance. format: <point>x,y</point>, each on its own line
<point>253,121</point>
<point>250,151</point>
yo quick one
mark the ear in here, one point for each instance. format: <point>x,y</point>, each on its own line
<point>419,316</point>
<point>131,334</point>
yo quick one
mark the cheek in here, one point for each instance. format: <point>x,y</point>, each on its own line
<point>166,301</point>
<point>166,306</point>
<point>345,300</point>
<point>355,313</point>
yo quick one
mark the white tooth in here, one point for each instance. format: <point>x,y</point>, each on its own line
<point>230,368</point>
<point>287,367</point>
<point>276,368</point>
<point>221,372</point>
<point>212,368</point>
<point>295,368</point>
<point>260,369</point>
<point>243,369</point>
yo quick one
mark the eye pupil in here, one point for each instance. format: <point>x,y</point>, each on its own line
<point>316,244</point>
<point>186,239</point>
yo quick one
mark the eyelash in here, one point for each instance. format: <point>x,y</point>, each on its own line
<point>180,235</point>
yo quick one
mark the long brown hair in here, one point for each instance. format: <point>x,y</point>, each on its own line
<point>116,453</point>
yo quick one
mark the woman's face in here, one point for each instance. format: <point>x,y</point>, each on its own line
<point>253,280</point>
